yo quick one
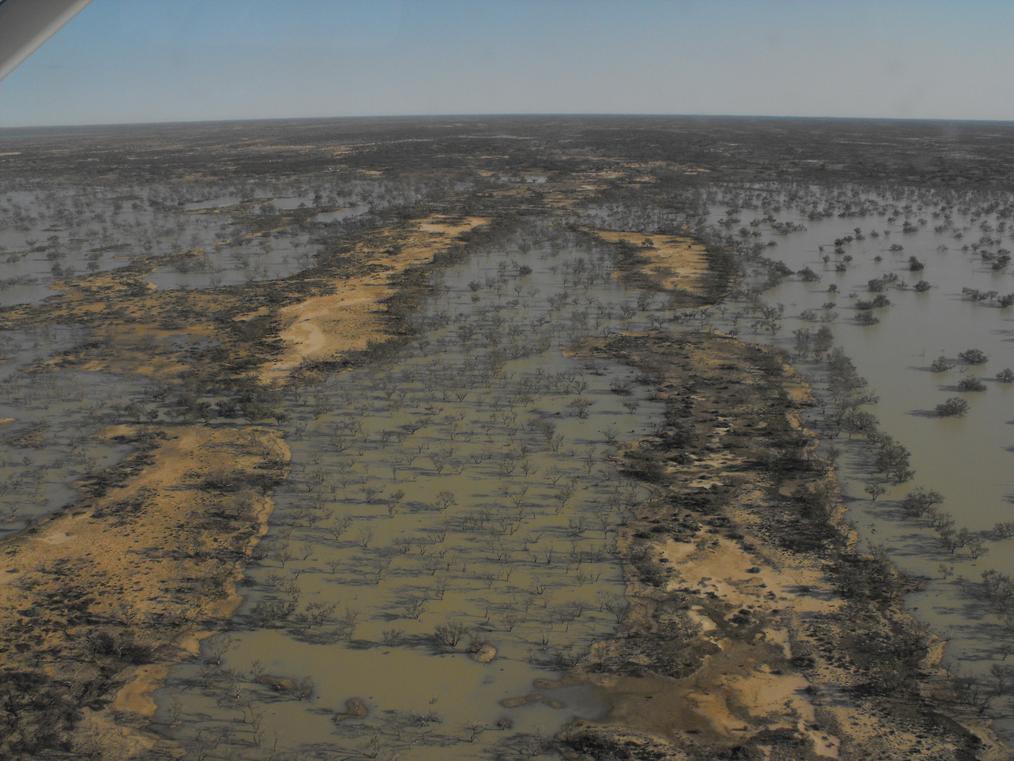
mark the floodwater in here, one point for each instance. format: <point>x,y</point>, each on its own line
<point>340,214</point>
<point>970,459</point>
<point>264,258</point>
<point>50,425</point>
<point>201,230</point>
<point>444,549</point>
<point>47,236</point>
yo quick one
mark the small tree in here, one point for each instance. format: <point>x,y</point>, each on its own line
<point>807,275</point>
<point>874,489</point>
<point>450,634</point>
<point>445,499</point>
<point>973,357</point>
<point>823,339</point>
<point>919,502</point>
<point>953,407</point>
<point>804,339</point>
<point>941,364</point>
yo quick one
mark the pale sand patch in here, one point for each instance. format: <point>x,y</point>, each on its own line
<point>701,619</point>
<point>674,261</point>
<point>56,538</point>
<point>725,569</point>
<point>798,390</point>
<point>126,560</point>
<point>734,695</point>
<point>747,684</point>
<point>136,695</point>
<point>781,699</point>
<point>99,730</point>
<point>182,461</point>
<point>350,318</point>
<point>131,327</point>
<point>737,691</point>
<point>567,194</point>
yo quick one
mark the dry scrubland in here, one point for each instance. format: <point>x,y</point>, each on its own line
<point>749,623</point>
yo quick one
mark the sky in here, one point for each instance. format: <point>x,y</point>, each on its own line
<point>123,61</point>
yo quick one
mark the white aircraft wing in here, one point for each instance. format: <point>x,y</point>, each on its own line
<point>26,24</point>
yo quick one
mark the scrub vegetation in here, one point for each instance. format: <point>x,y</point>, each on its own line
<point>512,438</point>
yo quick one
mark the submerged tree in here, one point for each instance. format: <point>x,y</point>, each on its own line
<point>973,357</point>
<point>955,406</point>
<point>919,502</point>
<point>941,364</point>
<point>971,384</point>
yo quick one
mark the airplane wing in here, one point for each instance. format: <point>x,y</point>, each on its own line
<point>26,24</point>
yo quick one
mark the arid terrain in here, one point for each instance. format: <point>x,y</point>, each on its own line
<point>511,438</point>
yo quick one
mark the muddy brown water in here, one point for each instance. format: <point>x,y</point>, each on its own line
<point>520,558</point>
<point>50,422</point>
<point>969,460</point>
<point>465,483</point>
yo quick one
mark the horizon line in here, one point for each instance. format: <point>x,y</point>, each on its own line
<point>505,114</point>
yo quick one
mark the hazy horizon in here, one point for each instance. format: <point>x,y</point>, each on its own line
<point>148,61</point>
<point>493,115</point>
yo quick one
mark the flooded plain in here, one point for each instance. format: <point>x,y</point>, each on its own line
<point>445,548</point>
<point>193,235</point>
<point>852,247</point>
<point>326,441</point>
<point>51,422</point>
<point>450,511</point>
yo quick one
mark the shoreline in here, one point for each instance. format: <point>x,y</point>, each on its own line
<point>169,485</point>
<point>763,626</point>
<point>704,646</point>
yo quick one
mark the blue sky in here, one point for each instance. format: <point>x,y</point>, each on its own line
<point>165,60</point>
